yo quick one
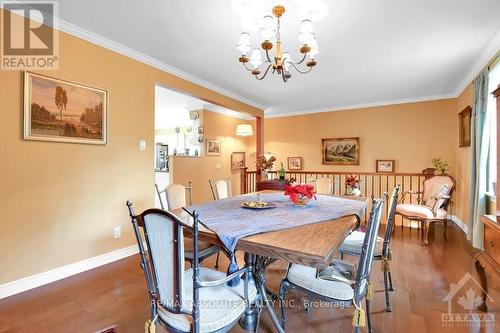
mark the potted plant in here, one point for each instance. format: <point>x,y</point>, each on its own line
<point>300,194</point>
<point>264,165</point>
<point>440,165</point>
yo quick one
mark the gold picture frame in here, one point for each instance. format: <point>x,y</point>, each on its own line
<point>294,163</point>
<point>238,160</point>
<point>385,166</point>
<point>64,111</point>
<point>340,151</point>
<point>464,119</point>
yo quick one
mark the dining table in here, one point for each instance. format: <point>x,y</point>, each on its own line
<point>315,245</point>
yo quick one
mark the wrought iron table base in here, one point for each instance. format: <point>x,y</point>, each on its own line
<point>250,319</point>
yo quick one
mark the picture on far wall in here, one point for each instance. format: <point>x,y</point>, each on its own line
<point>64,111</point>
<point>340,151</point>
<point>464,127</point>
<point>385,166</point>
<point>237,160</point>
<point>213,147</point>
<point>294,163</point>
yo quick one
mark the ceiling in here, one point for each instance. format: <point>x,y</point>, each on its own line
<point>371,52</point>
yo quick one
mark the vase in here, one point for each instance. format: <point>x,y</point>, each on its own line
<point>263,175</point>
<point>301,201</point>
<point>349,190</point>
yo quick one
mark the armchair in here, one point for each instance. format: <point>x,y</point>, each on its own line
<point>432,203</point>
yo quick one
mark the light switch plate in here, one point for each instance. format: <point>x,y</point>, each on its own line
<point>217,166</point>
<point>117,232</point>
<point>142,144</point>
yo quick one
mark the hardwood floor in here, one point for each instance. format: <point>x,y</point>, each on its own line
<point>115,294</point>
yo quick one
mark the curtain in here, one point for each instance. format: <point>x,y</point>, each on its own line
<point>479,151</point>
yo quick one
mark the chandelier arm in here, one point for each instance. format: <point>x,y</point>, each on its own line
<point>302,60</point>
<point>265,73</point>
<point>298,70</point>
<point>283,76</point>
<point>267,55</point>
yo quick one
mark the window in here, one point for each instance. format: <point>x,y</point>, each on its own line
<point>491,123</point>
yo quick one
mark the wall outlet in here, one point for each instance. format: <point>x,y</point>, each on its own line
<point>142,144</point>
<point>217,166</point>
<point>117,232</point>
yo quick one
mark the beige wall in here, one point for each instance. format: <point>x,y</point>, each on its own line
<point>462,170</point>
<point>60,201</point>
<point>199,170</point>
<point>412,134</point>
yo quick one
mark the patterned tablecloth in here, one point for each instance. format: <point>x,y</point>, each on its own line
<point>231,222</point>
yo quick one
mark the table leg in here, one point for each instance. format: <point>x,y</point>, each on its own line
<point>484,286</point>
<point>260,265</point>
<point>249,319</point>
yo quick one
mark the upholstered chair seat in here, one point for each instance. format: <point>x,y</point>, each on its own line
<point>422,211</point>
<point>432,203</point>
<point>354,243</point>
<point>305,277</point>
<point>219,306</point>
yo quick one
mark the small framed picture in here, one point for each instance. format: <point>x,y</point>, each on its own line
<point>464,127</point>
<point>213,147</point>
<point>294,163</point>
<point>237,160</point>
<point>385,166</point>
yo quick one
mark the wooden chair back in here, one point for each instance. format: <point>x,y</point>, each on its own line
<point>221,189</point>
<point>175,196</point>
<point>323,185</point>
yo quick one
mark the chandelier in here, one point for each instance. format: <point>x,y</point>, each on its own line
<point>281,63</point>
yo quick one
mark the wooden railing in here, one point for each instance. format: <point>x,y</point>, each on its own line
<point>372,185</point>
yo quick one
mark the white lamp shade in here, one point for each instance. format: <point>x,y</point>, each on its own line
<point>313,43</point>
<point>305,37</point>
<point>267,27</point>
<point>244,130</point>
<point>306,27</point>
<point>244,43</point>
<point>287,59</point>
<point>256,58</point>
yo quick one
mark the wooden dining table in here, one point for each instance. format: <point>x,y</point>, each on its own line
<point>312,245</point>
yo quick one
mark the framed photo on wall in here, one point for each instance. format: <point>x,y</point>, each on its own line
<point>237,160</point>
<point>294,163</point>
<point>64,111</point>
<point>464,118</point>
<point>385,166</point>
<point>340,151</point>
<point>213,147</point>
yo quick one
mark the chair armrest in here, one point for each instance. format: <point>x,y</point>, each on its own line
<point>403,196</point>
<point>241,271</point>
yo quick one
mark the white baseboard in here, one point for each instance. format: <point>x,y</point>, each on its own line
<point>459,223</point>
<point>30,282</point>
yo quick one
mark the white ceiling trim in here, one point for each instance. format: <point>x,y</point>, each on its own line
<point>362,106</point>
<point>93,38</point>
<point>226,112</point>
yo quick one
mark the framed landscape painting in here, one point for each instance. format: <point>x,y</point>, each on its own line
<point>63,111</point>
<point>213,147</point>
<point>237,160</point>
<point>340,151</point>
<point>464,119</point>
<point>294,163</point>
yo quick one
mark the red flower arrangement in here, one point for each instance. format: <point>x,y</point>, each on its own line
<point>352,181</point>
<point>298,192</point>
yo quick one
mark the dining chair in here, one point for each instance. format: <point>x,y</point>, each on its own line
<point>175,197</point>
<point>221,189</point>
<point>193,300</point>
<point>340,283</point>
<point>353,245</point>
<point>323,185</point>
<point>432,203</point>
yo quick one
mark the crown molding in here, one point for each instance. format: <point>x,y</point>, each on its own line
<point>96,39</point>
<point>360,106</point>
<point>227,112</point>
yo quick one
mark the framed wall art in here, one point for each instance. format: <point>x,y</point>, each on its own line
<point>385,166</point>
<point>64,111</point>
<point>213,147</point>
<point>464,118</point>
<point>294,163</point>
<point>340,151</point>
<point>237,160</point>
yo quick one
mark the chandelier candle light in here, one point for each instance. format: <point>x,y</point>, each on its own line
<point>282,62</point>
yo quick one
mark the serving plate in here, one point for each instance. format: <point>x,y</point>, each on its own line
<point>257,205</point>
